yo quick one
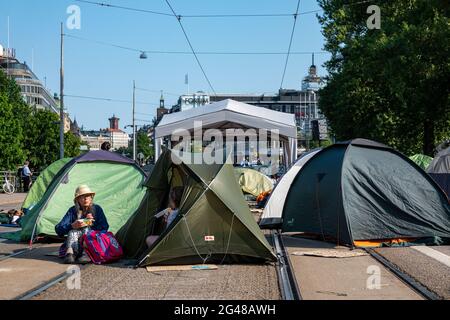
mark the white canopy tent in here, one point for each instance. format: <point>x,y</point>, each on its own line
<point>273,211</point>
<point>232,114</point>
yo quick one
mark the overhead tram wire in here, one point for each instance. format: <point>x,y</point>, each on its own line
<point>158,91</point>
<point>102,4</point>
<point>256,15</point>
<point>290,44</point>
<point>192,48</point>
<point>190,52</point>
<point>103,99</point>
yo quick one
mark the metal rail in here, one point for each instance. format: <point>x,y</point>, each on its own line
<point>286,277</point>
<point>15,254</point>
<point>418,287</point>
<point>34,292</point>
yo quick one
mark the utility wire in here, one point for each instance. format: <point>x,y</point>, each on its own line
<point>257,15</point>
<point>103,43</point>
<point>290,44</point>
<point>190,52</point>
<point>124,8</point>
<point>145,114</point>
<point>159,91</point>
<point>192,48</point>
<point>141,120</point>
<point>103,99</point>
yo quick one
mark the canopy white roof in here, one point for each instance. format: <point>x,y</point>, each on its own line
<point>229,111</point>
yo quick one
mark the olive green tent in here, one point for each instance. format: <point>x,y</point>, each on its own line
<point>214,223</point>
<point>116,180</point>
<point>41,184</point>
<point>253,181</point>
<point>421,160</point>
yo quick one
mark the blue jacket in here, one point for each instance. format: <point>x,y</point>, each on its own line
<point>100,223</point>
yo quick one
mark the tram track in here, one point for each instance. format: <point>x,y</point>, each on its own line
<point>404,277</point>
<point>286,277</point>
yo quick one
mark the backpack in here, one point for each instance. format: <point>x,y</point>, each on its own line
<point>102,247</point>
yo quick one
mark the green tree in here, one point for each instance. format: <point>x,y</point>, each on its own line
<point>128,152</point>
<point>11,153</point>
<point>42,140</point>
<point>143,144</point>
<point>72,144</point>
<point>391,84</point>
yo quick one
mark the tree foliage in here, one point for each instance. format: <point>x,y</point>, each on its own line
<point>389,84</point>
<point>29,134</point>
<point>11,153</point>
<point>143,144</point>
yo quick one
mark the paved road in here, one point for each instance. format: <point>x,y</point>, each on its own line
<point>31,270</point>
<point>117,281</point>
<point>324,278</point>
<point>13,201</point>
<point>423,266</point>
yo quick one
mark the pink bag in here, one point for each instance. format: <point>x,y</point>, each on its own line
<point>102,247</point>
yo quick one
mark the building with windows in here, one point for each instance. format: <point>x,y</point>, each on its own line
<point>115,136</point>
<point>304,103</point>
<point>33,92</point>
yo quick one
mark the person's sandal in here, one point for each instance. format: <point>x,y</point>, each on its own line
<point>69,259</point>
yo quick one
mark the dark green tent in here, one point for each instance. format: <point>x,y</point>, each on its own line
<point>362,192</point>
<point>214,222</point>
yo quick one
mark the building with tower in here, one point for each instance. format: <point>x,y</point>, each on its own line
<point>304,103</point>
<point>113,134</point>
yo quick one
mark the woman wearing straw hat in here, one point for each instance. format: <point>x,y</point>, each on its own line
<point>82,217</point>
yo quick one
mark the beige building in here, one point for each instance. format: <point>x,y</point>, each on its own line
<point>115,136</point>
<point>33,91</point>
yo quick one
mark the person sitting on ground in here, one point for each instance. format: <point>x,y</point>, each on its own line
<point>80,219</point>
<point>106,146</point>
<point>169,214</point>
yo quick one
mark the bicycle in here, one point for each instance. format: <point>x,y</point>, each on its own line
<point>8,187</point>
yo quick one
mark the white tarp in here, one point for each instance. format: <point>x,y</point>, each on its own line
<point>273,210</point>
<point>230,111</point>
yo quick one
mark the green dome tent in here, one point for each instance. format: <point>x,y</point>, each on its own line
<point>118,184</point>
<point>41,184</point>
<point>253,181</point>
<point>214,222</point>
<point>421,160</point>
<point>363,193</point>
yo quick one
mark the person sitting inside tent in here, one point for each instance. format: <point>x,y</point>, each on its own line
<point>79,219</point>
<point>168,215</point>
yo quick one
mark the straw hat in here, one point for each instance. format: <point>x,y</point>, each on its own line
<point>82,190</point>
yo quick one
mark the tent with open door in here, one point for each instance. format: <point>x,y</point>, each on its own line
<point>439,170</point>
<point>116,180</point>
<point>362,192</point>
<point>214,223</point>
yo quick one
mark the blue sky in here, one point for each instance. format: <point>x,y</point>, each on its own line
<point>96,70</point>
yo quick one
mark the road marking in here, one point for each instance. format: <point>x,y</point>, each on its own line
<point>436,255</point>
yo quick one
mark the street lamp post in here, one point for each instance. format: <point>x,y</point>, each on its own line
<point>61,98</point>
<point>134,125</point>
